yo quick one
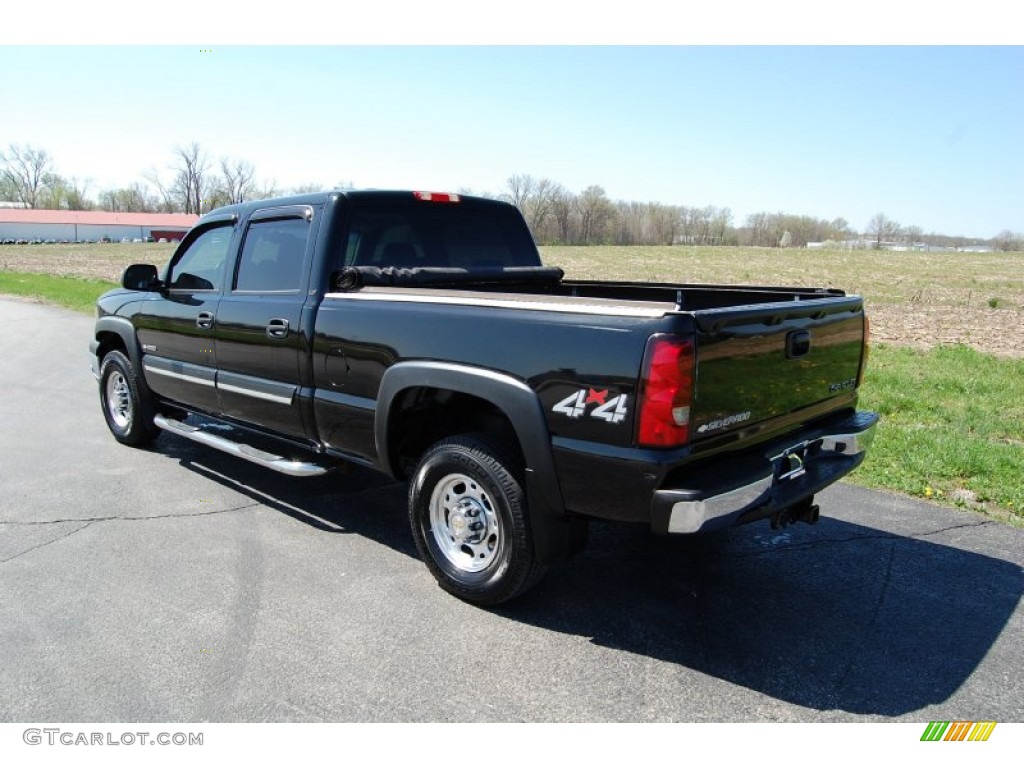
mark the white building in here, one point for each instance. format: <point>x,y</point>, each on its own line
<point>90,226</point>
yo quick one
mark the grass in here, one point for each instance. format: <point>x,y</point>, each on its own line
<point>75,293</point>
<point>953,419</point>
<point>952,429</point>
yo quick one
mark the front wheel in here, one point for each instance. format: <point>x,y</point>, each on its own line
<point>127,408</point>
<point>470,522</point>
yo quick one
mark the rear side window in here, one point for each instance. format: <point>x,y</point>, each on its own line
<point>439,235</point>
<point>273,256</point>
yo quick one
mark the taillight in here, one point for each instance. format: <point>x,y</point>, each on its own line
<point>666,392</point>
<point>865,351</point>
<point>436,197</point>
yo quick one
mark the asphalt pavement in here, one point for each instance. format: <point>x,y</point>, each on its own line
<point>178,584</point>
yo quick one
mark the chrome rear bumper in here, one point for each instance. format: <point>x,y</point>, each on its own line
<point>784,477</point>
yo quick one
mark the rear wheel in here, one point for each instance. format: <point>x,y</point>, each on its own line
<point>127,409</point>
<point>469,518</point>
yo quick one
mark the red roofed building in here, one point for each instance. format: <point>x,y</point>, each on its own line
<point>91,226</point>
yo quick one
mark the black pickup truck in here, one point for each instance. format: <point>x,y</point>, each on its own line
<point>419,334</point>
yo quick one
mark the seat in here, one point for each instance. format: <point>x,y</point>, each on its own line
<point>399,255</point>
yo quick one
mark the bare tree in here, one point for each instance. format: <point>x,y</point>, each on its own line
<point>303,189</point>
<point>630,223</point>
<point>78,195</point>
<point>519,190</point>
<point>707,225</point>
<point>839,228</point>
<point>133,199</point>
<point>882,228</point>
<point>721,221</point>
<point>539,206</point>
<point>267,190</point>
<point>1008,241</point>
<point>168,203</point>
<point>192,185</point>
<point>912,235</point>
<point>759,225</point>
<point>535,199</point>
<point>562,204</point>
<point>24,171</point>
<point>595,213</point>
<point>664,222</point>
<point>237,177</point>
<point>8,193</point>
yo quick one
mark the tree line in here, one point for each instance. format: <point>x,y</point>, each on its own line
<point>192,182</point>
<point>559,217</point>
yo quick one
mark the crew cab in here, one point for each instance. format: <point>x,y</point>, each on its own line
<point>419,334</point>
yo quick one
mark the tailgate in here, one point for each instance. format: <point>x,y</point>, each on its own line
<point>761,361</point>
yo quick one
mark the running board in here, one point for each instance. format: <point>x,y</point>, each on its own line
<point>241,450</point>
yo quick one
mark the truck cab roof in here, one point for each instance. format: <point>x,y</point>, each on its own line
<point>358,198</point>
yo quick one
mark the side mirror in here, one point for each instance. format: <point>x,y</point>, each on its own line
<point>141,277</point>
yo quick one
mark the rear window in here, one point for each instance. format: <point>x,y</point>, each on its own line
<point>272,256</point>
<point>439,235</point>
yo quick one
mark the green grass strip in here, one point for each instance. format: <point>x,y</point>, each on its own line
<point>952,426</point>
<point>72,292</point>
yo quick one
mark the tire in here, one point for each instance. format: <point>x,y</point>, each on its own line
<point>127,406</point>
<point>469,518</point>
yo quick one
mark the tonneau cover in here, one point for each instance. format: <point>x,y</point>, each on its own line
<point>352,278</point>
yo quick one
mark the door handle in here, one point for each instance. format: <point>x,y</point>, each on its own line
<point>277,328</point>
<point>204,319</point>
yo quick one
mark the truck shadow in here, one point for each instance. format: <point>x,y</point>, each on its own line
<point>831,617</point>
<point>348,500</point>
<point>835,616</point>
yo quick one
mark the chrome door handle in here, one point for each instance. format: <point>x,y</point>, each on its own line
<point>277,328</point>
<point>204,319</point>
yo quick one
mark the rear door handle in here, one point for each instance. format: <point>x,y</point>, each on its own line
<point>204,319</point>
<point>277,328</point>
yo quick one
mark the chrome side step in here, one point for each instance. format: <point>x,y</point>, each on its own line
<point>241,450</point>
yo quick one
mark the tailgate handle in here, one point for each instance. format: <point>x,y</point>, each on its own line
<point>798,344</point>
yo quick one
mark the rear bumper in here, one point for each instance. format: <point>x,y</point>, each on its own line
<point>782,474</point>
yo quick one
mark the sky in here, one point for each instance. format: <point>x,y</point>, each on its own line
<point>929,135</point>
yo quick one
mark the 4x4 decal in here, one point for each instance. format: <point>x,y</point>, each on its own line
<point>612,410</point>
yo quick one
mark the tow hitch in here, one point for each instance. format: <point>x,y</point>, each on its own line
<point>804,511</point>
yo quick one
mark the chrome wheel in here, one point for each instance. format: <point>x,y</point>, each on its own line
<point>464,523</point>
<point>127,404</point>
<point>119,400</point>
<point>470,521</point>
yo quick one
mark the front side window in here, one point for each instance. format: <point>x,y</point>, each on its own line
<point>201,267</point>
<point>273,256</point>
